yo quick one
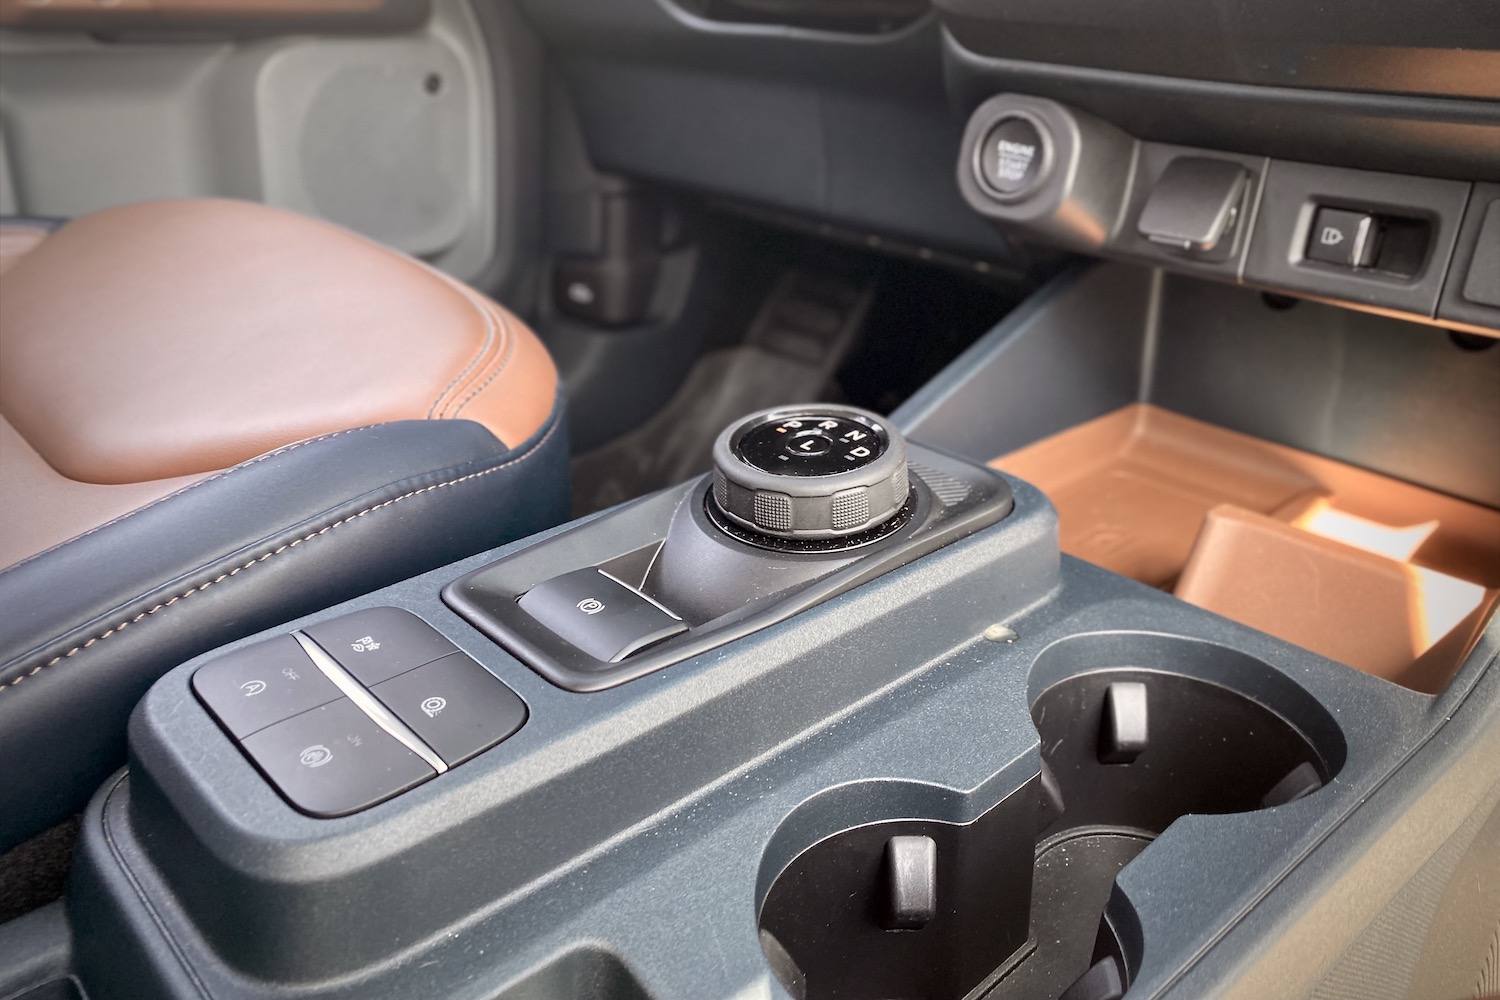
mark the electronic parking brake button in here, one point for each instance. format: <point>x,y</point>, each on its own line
<point>251,688</point>
<point>600,615</point>
<point>455,705</point>
<point>378,643</point>
<point>335,760</point>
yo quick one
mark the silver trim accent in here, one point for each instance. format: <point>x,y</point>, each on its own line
<point>1361,241</point>
<point>637,591</point>
<point>361,696</point>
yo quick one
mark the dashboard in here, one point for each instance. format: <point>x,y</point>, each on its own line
<point>858,122</point>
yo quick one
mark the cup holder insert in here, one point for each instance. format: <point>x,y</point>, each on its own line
<point>1023,900</point>
<point>1135,749</point>
<point>1125,752</point>
<point>838,921</point>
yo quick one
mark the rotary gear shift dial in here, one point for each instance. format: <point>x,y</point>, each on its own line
<point>809,473</point>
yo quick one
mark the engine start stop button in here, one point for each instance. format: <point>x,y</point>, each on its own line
<point>1013,157</point>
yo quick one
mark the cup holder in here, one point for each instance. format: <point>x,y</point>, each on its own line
<point>1135,731</point>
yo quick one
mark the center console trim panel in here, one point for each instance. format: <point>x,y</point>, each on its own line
<point>890,754</point>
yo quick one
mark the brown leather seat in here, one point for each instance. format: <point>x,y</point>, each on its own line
<point>215,416</point>
<point>144,347</point>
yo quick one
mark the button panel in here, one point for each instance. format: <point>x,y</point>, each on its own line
<point>455,705</point>
<point>251,688</point>
<point>335,760</point>
<point>600,615</point>
<point>391,704</point>
<point>377,644</point>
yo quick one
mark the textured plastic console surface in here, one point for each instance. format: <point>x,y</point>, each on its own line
<point>315,899</point>
<point>628,839</point>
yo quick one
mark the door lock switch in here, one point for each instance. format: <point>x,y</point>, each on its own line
<point>600,615</point>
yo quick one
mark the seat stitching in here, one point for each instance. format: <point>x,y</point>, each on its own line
<point>179,492</point>
<point>484,348</point>
<point>469,294</point>
<point>276,551</point>
<point>453,283</point>
<point>504,363</point>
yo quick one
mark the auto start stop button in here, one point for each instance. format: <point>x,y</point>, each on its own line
<point>1014,157</point>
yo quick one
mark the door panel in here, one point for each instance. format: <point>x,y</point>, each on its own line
<point>390,135</point>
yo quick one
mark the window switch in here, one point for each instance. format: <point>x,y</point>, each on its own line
<point>1343,238</point>
<point>600,615</point>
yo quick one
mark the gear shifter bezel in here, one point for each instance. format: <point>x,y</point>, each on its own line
<point>722,587</point>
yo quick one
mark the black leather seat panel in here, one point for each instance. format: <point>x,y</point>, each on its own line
<point>90,624</point>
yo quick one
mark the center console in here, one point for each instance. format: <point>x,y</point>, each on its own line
<point>837,719</point>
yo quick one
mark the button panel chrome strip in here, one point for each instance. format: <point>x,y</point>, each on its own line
<point>367,703</point>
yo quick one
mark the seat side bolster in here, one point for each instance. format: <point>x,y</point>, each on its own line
<point>316,526</point>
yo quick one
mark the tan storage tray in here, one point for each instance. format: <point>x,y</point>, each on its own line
<point>1371,571</point>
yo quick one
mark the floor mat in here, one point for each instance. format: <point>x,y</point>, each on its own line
<point>34,872</point>
<point>798,340</point>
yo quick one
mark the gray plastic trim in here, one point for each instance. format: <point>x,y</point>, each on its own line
<point>1294,191</point>
<point>1454,308</point>
<point>1432,136</point>
<point>724,588</point>
<point>1085,330</point>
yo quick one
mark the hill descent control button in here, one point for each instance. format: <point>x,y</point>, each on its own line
<point>600,615</point>
<point>1013,158</point>
<point>334,760</point>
